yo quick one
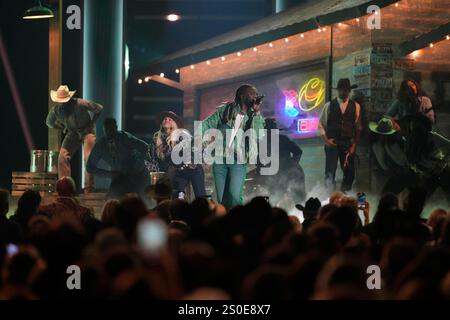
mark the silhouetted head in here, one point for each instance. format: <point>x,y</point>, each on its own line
<point>128,213</point>
<point>415,201</point>
<point>29,201</point>
<point>266,282</point>
<point>388,201</point>
<point>345,219</point>
<point>65,187</point>
<point>4,202</point>
<point>110,128</point>
<point>109,212</point>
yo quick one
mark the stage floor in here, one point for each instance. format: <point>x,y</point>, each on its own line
<point>313,163</point>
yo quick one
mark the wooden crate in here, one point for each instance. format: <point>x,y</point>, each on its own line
<point>94,201</point>
<point>45,183</point>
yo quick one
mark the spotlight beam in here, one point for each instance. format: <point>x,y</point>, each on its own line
<point>15,94</point>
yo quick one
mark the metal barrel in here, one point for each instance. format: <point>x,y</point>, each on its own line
<point>38,161</point>
<point>155,176</point>
<point>52,161</point>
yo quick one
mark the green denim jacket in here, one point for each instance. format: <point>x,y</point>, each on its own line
<point>224,118</point>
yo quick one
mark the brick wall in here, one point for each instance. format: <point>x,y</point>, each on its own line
<point>350,38</point>
<point>312,46</point>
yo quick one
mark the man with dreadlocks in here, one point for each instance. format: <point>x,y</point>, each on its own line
<point>244,113</point>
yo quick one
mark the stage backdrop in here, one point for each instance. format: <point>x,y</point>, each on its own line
<point>294,97</point>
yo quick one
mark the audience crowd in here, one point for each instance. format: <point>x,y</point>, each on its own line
<point>199,250</point>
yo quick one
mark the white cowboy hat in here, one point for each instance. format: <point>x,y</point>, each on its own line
<point>61,95</point>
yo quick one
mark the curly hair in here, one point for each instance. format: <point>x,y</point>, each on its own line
<point>162,143</point>
<point>404,93</point>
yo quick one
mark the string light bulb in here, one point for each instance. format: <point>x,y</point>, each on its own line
<point>286,39</point>
<point>431,45</point>
<point>223,58</point>
<point>255,49</point>
<point>140,81</point>
<point>238,54</point>
<point>271,45</point>
<point>357,19</point>
<point>173,17</point>
<point>302,35</point>
<point>324,29</point>
<point>415,54</point>
<point>161,74</point>
<point>447,37</point>
<point>177,70</point>
<point>396,4</point>
<point>208,62</point>
<point>340,24</point>
<point>192,66</point>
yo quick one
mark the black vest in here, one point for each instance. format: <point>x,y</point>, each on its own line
<point>341,125</point>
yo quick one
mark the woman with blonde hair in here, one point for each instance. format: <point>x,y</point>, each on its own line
<point>180,175</point>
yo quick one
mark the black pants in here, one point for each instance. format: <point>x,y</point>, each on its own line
<point>332,155</point>
<point>182,178</point>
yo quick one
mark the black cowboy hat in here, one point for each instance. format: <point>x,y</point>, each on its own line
<point>345,84</point>
<point>172,115</point>
<point>313,204</point>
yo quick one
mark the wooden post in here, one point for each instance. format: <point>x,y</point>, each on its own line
<point>54,65</point>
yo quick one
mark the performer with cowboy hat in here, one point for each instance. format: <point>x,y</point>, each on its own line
<point>76,118</point>
<point>310,212</point>
<point>340,128</point>
<point>425,154</point>
<point>386,146</point>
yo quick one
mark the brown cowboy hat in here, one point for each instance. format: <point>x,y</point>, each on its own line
<point>172,115</point>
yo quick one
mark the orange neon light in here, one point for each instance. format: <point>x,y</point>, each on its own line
<point>312,92</point>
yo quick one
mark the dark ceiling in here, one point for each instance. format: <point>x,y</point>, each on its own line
<point>150,36</point>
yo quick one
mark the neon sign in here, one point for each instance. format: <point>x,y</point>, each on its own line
<point>290,103</point>
<point>312,93</point>
<point>307,125</point>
